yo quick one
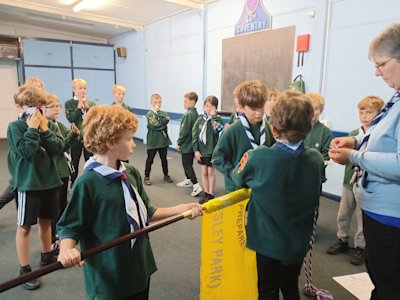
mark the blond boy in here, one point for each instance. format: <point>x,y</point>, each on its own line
<point>75,110</point>
<point>118,92</point>
<point>368,108</point>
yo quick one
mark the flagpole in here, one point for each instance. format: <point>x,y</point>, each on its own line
<point>210,206</point>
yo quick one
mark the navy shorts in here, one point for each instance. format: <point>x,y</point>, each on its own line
<point>36,204</point>
<point>205,161</point>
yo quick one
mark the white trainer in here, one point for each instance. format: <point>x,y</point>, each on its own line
<point>196,190</point>
<point>185,183</point>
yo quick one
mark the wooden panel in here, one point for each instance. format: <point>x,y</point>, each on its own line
<point>265,55</point>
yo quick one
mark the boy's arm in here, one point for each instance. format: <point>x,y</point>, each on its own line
<point>243,172</point>
<point>222,155</point>
<point>183,130</point>
<point>23,142</point>
<point>326,142</point>
<point>53,143</point>
<point>155,121</point>
<point>70,137</point>
<point>72,112</point>
<point>195,135</point>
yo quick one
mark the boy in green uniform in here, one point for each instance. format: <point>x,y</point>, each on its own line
<point>185,143</point>
<point>320,136</point>
<point>285,180</point>
<point>75,110</point>
<point>368,108</point>
<point>108,201</point>
<point>63,160</point>
<point>249,131</point>
<point>34,176</point>
<point>206,131</point>
<point>118,92</point>
<point>157,138</point>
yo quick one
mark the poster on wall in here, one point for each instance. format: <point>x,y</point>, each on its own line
<point>254,18</point>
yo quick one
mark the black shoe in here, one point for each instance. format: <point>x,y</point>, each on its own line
<point>167,179</point>
<point>31,284</point>
<point>338,247</point>
<point>205,198</point>
<point>358,258</point>
<point>147,181</point>
<point>47,258</point>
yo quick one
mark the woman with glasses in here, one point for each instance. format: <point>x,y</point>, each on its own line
<point>377,175</point>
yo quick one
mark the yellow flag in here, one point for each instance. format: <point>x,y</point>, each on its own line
<point>228,268</point>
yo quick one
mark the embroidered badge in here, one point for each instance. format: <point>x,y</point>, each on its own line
<point>243,162</point>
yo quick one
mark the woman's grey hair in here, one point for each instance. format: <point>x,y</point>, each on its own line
<point>387,43</point>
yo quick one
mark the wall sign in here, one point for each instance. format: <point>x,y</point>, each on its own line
<point>254,18</point>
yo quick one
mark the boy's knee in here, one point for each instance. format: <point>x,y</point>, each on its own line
<point>23,229</point>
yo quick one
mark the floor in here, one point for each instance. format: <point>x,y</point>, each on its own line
<point>176,247</point>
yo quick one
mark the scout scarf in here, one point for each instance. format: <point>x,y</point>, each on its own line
<point>135,209</point>
<point>246,127</point>
<point>203,131</point>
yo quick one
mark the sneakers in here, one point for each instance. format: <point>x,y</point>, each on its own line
<point>338,247</point>
<point>358,258</point>
<point>167,179</point>
<point>31,284</point>
<point>196,190</point>
<point>147,181</point>
<point>205,198</point>
<point>47,258</point>
<point>185,183</point>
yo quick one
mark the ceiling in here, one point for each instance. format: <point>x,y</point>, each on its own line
<point>103,19</point>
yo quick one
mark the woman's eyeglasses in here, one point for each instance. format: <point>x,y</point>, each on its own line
<point>381,65</point>
<point>53,106</point>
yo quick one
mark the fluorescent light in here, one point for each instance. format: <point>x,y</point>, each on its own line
<point>85,4</point>
<point>60,21</point>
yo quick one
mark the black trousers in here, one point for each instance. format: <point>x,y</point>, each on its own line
<point>187,163</point>
<point>76,152</point>
<point>273,276</point>
<point>7,196</point>
<point>151,153</point>
<point>382,258</point>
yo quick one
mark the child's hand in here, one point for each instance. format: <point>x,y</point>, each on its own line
<point>75,129</point>
<point>178,148</point>
<point>33,121</point>
<point>70,257</point>
<point>198,156</point>
<point>196,208</point>
<point>43,126</point>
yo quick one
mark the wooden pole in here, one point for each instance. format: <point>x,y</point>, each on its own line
<point>102,247</point>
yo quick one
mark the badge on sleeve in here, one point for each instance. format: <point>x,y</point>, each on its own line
<point>243,162</point>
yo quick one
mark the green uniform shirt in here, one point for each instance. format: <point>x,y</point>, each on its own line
<point>73,113</point>
<point>232,144</point>
<point>233,117</point>
<point>348,170</point>
<point>185,132</point>
<point>212,135</point>
<point>95,215</point>
<point>319,138</point>
<point>157,134</point>
<point>70,138</point>
<point>31,157</point>
<point>285,193</point>
<point>124,106</point>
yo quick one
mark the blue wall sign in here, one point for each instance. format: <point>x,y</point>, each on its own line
<point>254,18</point>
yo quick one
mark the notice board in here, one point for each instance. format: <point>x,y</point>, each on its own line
<point>264,55</point>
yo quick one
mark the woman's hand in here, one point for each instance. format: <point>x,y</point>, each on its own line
<point>340,155</point>
<point>344,142</point>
